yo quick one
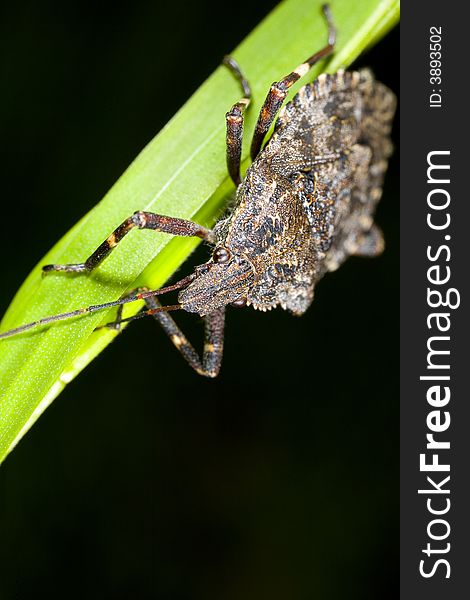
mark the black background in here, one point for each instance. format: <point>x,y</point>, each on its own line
<point>280,478</point>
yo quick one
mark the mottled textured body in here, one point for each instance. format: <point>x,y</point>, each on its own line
<point>307,201</point>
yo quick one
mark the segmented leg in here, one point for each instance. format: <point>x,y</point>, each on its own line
<point>279,89</point>
<point>141,220</point>
<point>211,361</point>
<point>116,325</point>
<point>234,121</point>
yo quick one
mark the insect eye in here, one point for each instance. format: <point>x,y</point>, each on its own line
<point>221,255</point>
<point>240,303</point>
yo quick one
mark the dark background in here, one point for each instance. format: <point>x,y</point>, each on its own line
<point>280,478</point>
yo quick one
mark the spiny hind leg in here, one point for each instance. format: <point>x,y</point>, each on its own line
<point>139,220</point>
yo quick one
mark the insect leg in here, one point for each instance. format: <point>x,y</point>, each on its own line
<point>234,121</point>
<point>209,365</point>
<point>141,220</point>
<point>279,89</point>
<point>116,325</point>
<point>212,354</point>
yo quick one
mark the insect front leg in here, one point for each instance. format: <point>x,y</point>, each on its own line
<point>209,365</point>
<point>234,121</point>
<point>279,89</point>
<point>214,322</point>
<point>141,220</point>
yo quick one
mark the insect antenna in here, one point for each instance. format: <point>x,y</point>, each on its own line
<point>96,307</point>
<point>143,313</point>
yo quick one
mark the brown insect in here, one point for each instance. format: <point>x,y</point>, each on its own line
<point>306,204</point>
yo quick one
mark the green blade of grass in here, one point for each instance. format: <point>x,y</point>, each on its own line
<point>181,173</point>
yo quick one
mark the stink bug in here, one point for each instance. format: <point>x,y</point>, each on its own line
<point>306,204</point>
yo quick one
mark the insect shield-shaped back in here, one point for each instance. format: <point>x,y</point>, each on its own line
<point>223,280</point>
